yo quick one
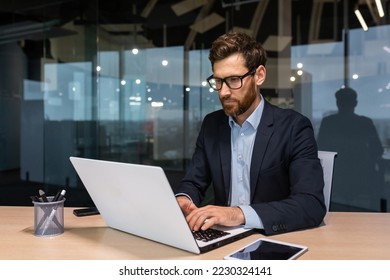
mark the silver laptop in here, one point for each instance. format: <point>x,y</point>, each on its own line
<point>139,200</point>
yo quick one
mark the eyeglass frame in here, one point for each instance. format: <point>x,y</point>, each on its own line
<point>223,80</point>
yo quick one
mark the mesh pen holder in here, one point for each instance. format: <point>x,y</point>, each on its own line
<point>49,217</point>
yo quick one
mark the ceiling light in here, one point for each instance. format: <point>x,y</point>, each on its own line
<point>380,8</point>
<point>157,104</point>
<point>135,98</point>
<point>361,20</point>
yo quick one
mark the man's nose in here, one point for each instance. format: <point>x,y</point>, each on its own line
<point>225,90</point>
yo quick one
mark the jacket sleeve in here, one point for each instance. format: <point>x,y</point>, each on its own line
<point>197,179</point>
<point>293,179</point>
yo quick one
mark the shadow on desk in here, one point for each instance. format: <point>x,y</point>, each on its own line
<point>108,243</point>
<point>101,243</point>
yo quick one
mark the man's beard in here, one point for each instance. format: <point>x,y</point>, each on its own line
<point>239,107</point>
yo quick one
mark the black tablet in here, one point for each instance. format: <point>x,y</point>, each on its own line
<point>86,212</point>
<point>268,249</point>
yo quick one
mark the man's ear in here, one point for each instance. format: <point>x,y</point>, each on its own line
<point>260,75</point>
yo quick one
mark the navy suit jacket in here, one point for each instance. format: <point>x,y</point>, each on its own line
<point>286,177</point>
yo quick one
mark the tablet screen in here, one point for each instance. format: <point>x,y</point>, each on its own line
<point>264,249</point>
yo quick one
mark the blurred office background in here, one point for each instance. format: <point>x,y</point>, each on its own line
<point>124,80</point>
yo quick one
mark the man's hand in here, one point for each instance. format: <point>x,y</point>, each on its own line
<point>205,217</point>
<point>185,204</point>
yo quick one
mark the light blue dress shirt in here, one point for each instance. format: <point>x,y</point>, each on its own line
<point>242,142</point>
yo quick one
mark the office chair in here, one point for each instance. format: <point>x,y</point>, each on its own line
<point>327,162</point>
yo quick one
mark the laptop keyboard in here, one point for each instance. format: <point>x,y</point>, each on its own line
<point>208,234</point>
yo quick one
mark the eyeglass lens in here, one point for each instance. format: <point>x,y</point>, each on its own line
<point>233,82</point>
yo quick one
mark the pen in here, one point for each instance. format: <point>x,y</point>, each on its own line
<point>59,195</point>
<point>43,196</point>
<point>53,212</point>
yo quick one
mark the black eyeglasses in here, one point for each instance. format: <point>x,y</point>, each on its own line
<point>233,82</point>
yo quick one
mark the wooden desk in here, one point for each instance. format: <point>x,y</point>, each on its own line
<point>345,236</point>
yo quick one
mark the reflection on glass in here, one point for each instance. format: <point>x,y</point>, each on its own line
<point>324,67</point>
<point>358,174</point>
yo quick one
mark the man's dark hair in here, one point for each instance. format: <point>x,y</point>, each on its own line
<point>238,42</point>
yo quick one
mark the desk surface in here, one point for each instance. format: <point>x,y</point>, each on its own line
<point>345,236</point>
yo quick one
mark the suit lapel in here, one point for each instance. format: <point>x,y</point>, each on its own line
<point>264,132</point>
<point>225,153</point>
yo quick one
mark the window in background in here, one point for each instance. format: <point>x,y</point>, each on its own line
<point>125,81</point>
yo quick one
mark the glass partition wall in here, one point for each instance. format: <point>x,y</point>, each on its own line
<point>125,81</point>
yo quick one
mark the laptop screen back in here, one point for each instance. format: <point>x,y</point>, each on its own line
<point>137,199</point>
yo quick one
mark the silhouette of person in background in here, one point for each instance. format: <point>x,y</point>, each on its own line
<point>357,178</point>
